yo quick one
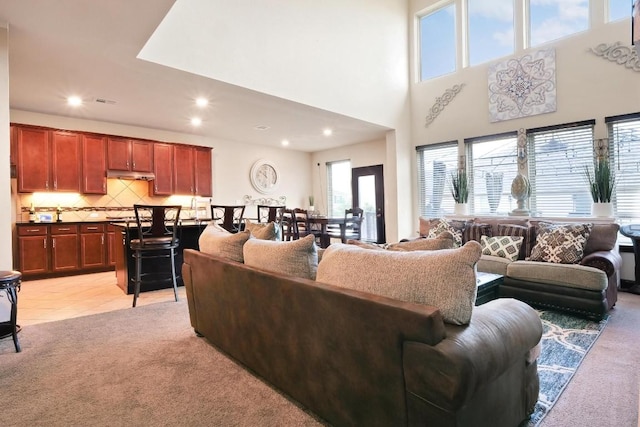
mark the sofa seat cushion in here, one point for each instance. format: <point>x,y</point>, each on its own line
<point>445,279</point>
<point>298,258</point>
<point>569,275</point>
<point>493,264</point>
<point>215,240</point>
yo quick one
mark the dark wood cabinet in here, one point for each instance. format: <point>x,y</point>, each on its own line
<point>93,245</point>
<point>33,250</point>
<point>202,170</point>
<point>183,179</point>
<point>65,161</point>
<point>64,248</point>
<point>47,160</point>
<point>33,159</point>
<point>129,155</point>
<point>94,164</point>
<point>163,167</point>
<point>111,246</point>
<point>13,145</point>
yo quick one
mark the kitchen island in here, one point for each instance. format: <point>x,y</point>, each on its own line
<point>188,234</point>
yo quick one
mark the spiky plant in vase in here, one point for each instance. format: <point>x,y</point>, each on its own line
<point>602,183</point>
<point>460,191</point>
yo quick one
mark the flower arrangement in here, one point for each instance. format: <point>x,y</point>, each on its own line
<point>602,182</point>
<point>460,186</point>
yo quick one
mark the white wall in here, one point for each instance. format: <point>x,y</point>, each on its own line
<point>6,219</point>
<point>231,161</point>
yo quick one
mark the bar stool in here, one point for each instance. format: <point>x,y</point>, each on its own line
<point>10,282</point>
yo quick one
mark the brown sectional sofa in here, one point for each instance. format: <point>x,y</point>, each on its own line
<point>588,288</point>
<point>355,358</point>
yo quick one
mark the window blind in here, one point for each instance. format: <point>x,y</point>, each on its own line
<point>624,149</point>
<point>557,160</point>
<point>435,164</point>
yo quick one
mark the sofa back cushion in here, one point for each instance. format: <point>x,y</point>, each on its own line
<point>527,232</point>
<point>215,240</point>
<point>298,258</point>
<point>603,237</point>
<point>445,279</point>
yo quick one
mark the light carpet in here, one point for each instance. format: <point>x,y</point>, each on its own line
<point>565,342</point>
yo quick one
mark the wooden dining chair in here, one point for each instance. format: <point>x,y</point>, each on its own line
<point>288,224</point>
<point>352,227</point>
<point>228,216</point>
<point>302,227</point>
<point>269,213</point>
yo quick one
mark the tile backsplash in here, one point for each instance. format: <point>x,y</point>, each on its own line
<point>119,200</point>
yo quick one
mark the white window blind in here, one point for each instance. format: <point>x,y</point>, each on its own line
<point>492,165</point>
<point>624,150</point>
<point>435,164</point>
<point>557,159</point>
<point>338,188</point>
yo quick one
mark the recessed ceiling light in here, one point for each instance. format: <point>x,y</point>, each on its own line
<point>196,121</point>
<point>74,101</point>
<point>202,102</point>
<point>327,132</point>
<point>261,127</point>
<point>285,142</point>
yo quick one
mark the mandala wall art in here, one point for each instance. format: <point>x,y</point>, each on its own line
<point>521,87</point>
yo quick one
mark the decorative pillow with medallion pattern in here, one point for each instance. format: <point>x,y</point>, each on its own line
<point>503,246</point>
<point>440,225</point>
<point>560,243</point>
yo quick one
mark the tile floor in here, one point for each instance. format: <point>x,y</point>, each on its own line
<point>48,300</point>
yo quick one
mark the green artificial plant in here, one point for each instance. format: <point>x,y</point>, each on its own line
<point>460,186</point>
<point>602,181</point>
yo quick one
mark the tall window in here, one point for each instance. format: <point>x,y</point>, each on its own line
<point>490,30</point>
<point>435,164</point>
<point>558,156</point>
<point>438,43</point>
<point>338,188</point>
<point>618,9</point>
<point>492,165</point>
<point>624,146</point>
<point>551,20</point>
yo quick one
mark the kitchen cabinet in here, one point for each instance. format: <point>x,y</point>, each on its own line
<point>47,160</point>
<point>192,170</point>
<point>64,248</point>
<point>13,145</point>
<point>111,246</point>
<point>93,245</point>
<point>129,155</point>
<point>163,167</point>
<point>94,164</point>
<point>33,250</point>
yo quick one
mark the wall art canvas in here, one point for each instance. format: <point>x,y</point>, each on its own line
<point>521,87</point>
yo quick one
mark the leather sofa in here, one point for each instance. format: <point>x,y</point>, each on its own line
<point>354,358</point>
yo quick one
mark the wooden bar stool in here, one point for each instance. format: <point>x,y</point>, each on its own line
<point>10,282</point>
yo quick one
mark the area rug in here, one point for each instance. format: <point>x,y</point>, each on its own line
<point>566,340</point>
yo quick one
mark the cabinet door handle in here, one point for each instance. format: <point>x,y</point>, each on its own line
<point>102,238</point>
<point>55,184</point>
<point>92,228</point>
<point>44,243</point>
<point>33,230</point>
<point>134,165</point>
<point>53,243</point>
<point>64,229</point>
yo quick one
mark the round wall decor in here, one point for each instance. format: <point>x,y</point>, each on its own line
<point>264,176</point>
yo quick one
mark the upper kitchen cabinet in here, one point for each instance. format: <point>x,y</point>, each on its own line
<point>13,145</point>
<point>94,164</point>
<point>192,170</point>
<point>129,155</point>
<point>47,160</point>
<point>162,185</point>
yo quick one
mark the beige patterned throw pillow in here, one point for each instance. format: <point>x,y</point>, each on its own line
<point>441,224</point>
<point>503,246</point>
<point>445,279</point>
<point>261,230</point>
<point>444,240</point>
<point>560,243</point>
<point>217,241</point>
<point>297,258</point>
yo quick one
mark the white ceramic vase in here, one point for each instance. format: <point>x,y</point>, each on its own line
<point>461,209</point>
<point>602,210</point>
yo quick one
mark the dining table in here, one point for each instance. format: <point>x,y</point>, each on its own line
<point>323,222</point>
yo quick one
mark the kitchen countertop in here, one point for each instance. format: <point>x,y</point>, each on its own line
<point>117,222</point>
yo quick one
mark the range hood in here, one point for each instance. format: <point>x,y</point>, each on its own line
<point>142,176</point>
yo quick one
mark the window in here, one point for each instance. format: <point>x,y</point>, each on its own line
<point>619,9</point>
<point>435,164</point>
<point>490,30</point>
<point>492,164</point>
<point>557,159</point>
<point>438,43</point>
<point>551,20</point>
<point>624,145</point>
<point>339,188</point>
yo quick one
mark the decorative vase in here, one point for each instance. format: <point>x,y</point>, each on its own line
<point>602,209</point>
<point>461,209</point>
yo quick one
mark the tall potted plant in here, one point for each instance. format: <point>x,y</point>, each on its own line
<point>460,191</point>
<point>602,183</point>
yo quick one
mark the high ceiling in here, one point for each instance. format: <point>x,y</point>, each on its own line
<point>89,48</point>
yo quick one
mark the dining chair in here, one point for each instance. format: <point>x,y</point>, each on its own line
<point>302,226</point>
<point>228,216</point>
<point>269,213</point>
<point>158,237</point>
<point>288,224</point>
<point>352,227</point>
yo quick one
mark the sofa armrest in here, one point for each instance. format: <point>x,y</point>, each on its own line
<point>502,333</point>
<point>607,261</point>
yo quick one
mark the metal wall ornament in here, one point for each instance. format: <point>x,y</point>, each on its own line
<point>522,87</point>
<point>441,102</point>
<point>522,150</point>
<point>618,53</point>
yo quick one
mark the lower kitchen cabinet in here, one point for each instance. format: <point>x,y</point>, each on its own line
<point>58,249</point>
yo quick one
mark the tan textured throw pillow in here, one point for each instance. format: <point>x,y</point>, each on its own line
<point>503,246</point>
<point>444,240</point>
<point>445,279</point>
<point>560,243</point>
<point>297,258</point>
<point>263,231</point>
<point>215,240</point>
